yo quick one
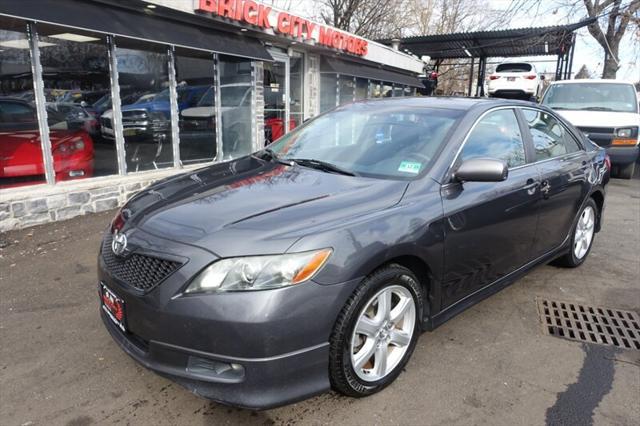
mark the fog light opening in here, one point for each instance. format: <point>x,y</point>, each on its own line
<point>217,370</point>
<point>76,173</point>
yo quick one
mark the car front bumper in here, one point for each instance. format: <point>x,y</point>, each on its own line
<point>623,155</point>
<point>256,349</point>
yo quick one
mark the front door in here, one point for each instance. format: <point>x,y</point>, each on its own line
<point>490,227</point>
<point>563,169</point>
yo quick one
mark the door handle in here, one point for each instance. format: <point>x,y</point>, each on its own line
<point>531,186</point>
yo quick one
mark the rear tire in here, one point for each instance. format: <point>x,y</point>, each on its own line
<point>582,237</point>
<point>368,351</point>
<point>626,172</point>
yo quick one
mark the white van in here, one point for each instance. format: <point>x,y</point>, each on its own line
<point>607,111</point>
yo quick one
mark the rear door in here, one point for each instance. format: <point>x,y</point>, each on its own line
<point>563,166</point>
<point>489,226</point>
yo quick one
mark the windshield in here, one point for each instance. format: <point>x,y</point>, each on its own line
<point>592,96</point>
<point>371,139</point>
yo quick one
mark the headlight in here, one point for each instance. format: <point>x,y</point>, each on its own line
<point>624,133</point>
<point>259,272</point>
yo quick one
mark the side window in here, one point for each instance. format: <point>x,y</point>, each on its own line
<point>497,135</point>
<point>550,138</point>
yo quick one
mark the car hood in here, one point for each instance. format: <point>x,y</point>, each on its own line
<point>600,118</point>
<point>249,206</point>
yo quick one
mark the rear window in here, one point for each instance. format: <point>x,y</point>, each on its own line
<point>513,68</point>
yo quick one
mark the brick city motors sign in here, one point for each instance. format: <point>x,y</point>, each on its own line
<point>261,16</point>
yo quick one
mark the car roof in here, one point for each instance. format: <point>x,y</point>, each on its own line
<point>448,102</point>
<point>592,80</point>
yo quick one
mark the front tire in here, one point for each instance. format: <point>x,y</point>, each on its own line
<point>582,238</point>
<point>376,332</point>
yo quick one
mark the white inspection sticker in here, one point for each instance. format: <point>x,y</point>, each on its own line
<point>410,167</point>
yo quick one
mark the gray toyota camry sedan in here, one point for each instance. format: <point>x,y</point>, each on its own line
<point>317,262</point>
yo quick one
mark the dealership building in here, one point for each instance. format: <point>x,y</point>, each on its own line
<point>99,98</point>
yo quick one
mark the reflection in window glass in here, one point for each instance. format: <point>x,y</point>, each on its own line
<point>296,92</point>
<point>275,92</point>
<point>75,69</point>
<point>20,150</point>
<point>372,139</point>
<point>236,92</point>
<point>497,135</point>
<point>362,88</point>
<point>550,138</point>
<point>398,91</point>
<point>328,85</point>
<point>347,89</point>
<point>196,103</point>
<point>146,110</point>
<point>387,90</point>
<point>375,89</point>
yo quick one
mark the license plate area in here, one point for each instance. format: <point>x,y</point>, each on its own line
<point>511,79</point>
<point>113,306</point>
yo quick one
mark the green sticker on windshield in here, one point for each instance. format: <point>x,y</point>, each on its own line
<point>410,167</point>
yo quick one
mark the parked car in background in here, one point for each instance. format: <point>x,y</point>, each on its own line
<point>607,112</point>
<point>315,263</point>
<point>21,160</point>
<point>76,116</point>
<point>515,80</point>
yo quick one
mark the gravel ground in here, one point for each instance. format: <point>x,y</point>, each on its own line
<point>489,365</point>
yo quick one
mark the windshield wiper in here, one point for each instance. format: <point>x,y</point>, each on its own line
<point>272,157</point>
<point>322,165</point>
<point>596,108</point>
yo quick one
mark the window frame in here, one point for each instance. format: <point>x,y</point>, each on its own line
<point>563,125</point>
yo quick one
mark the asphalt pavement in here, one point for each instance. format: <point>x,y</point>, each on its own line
<point>489,365</point>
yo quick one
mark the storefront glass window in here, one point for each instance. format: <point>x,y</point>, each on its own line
<point>328,82</point>
<point>236,91</point>
<point>196,102</point>
<point>375,89</point>
<point>275,94</point>
<point>296,93</point>
<point>347,89</point>
<point>362,87</point>
<point>387,90</point>
<point>146,110</point>
<point>75,70</point>
<point>398,90</point>
<point>20,150</point>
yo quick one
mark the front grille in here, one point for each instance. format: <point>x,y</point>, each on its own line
<point>140,271</point>
<point>105,122</point>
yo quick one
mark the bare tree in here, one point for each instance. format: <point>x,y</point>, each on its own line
<point>367,18</point>
<point>584,72</point>
<point>615,17</point>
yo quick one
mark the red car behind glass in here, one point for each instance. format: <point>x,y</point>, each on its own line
<point>21,152</point>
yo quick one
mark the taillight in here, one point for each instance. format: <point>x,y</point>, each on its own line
<point>530,77</point>
<point>607,161</point>
<point>494,77</point>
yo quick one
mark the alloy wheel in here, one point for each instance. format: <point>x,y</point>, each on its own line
<point>382,333</point>
<point>584,232</point>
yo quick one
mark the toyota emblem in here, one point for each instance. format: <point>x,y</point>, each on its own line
<point>119,244</point>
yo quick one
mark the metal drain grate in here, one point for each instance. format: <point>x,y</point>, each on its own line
<point>605,326</point>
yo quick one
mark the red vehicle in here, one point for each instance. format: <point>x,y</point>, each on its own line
<point>21,160</point>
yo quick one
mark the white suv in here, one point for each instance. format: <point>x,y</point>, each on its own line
<point>515,79</point>
<point>607,112</point>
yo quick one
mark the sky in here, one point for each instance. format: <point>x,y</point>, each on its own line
<point>588,51</point>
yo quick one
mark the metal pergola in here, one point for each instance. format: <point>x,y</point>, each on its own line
<point>535,41</point>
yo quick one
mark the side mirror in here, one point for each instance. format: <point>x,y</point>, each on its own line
<point>482,170</point>
<point>84,104</point>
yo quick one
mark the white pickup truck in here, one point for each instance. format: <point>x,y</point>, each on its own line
<point>607,111</point>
